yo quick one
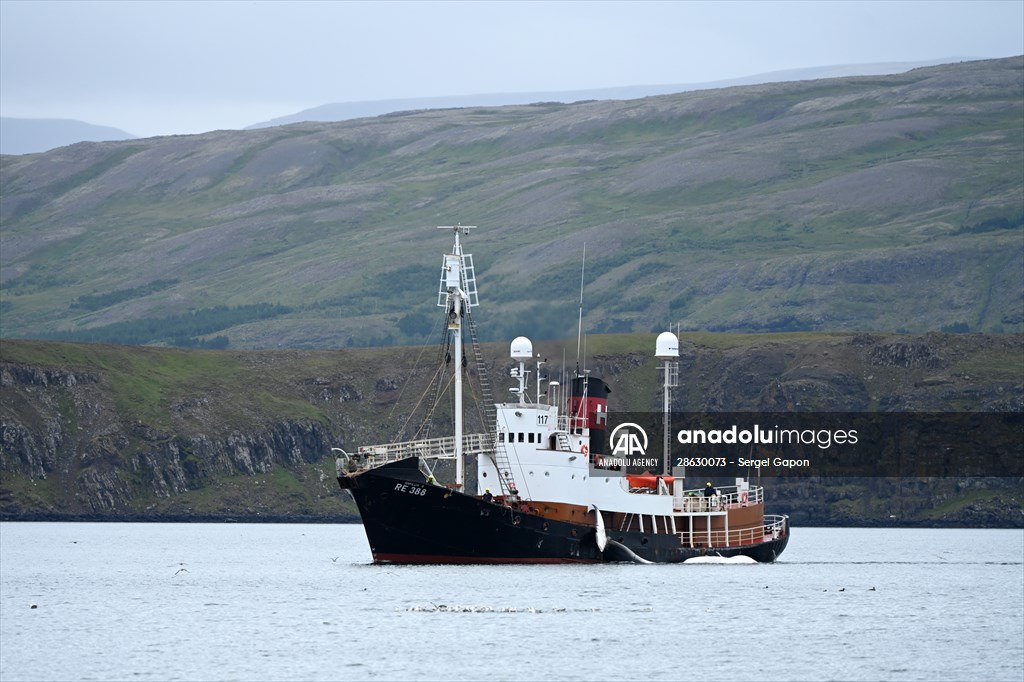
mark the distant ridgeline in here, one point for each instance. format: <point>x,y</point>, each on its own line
<point>869,203</point>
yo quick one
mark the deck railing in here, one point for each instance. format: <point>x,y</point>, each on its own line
<point>431,448</point>
<point>773,527</point>
<point>728,497</point>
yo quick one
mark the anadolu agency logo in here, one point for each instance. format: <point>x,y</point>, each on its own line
<point>628,443</point>
<point>629,440</point>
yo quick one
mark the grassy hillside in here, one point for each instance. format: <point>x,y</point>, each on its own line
<point>869,203</point>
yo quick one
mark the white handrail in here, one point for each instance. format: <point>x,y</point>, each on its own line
<point>695,501</point>
<point>369,456</point>
<point>726,498</point>
<point>771,528</point>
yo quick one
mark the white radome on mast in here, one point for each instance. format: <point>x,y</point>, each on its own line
<point>521,349</point>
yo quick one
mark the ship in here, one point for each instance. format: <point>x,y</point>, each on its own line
<point>547,488</point>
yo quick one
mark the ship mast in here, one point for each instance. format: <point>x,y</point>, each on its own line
<point>457,294</point>
<point>666,349</point>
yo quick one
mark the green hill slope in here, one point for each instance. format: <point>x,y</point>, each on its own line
<point>868,203</point>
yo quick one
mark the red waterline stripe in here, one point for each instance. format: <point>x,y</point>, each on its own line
<point>433,559</point>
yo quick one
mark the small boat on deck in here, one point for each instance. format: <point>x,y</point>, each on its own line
<point>547,489</point>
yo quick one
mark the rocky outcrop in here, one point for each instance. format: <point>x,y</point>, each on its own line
<point>905,354</point>
<point>73,445</point>
<point>110,473</point>
<point>922,502</point>
<point>62,427</point>
<point>174,465</point>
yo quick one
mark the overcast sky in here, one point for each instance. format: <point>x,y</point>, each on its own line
<point>154,68</point>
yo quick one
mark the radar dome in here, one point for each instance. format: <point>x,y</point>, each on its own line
<point>522,347</point>
<point>667,346</point>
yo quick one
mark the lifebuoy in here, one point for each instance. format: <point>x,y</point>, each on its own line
<point>743,497</point>
<point>584,449</point>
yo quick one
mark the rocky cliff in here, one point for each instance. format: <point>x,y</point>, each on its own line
<point>128,433</point>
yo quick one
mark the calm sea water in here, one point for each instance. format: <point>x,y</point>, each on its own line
<point>302,602</point>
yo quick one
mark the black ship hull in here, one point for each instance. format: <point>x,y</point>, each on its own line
<point>408,520</point>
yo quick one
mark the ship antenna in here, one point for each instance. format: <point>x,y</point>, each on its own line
<point>579,329</point>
